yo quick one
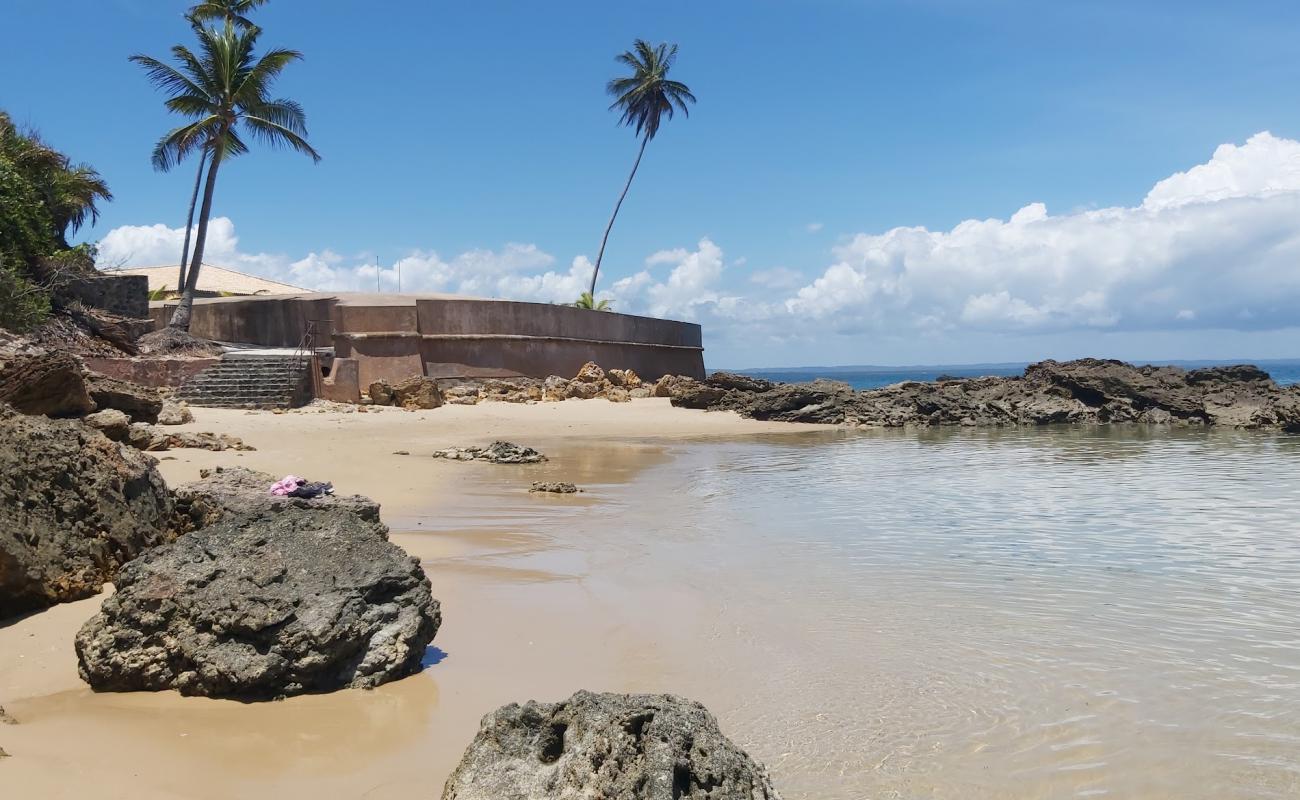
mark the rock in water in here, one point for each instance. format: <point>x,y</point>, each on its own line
<point>45,383</point>
<point>74,506</point>
<point>262,606</point>
<point>497,453</point>
<point>630,747</point>
<point>554,487</point>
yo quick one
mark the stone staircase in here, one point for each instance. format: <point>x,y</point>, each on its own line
<point>254,379</point>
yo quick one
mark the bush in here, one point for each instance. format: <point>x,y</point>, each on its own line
<point>23,304</point>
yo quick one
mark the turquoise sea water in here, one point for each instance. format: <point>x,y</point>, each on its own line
<point>1285,372</point>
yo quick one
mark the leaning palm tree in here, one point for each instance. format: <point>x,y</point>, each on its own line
<point>645,97</point>
<point>587,301</point>
<point>224,90</point>
<point>236,13</point>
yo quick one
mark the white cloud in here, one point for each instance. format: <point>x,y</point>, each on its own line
<point>510,272</point>
<point>777,278</point>
<point>1217,246</point>
<point>814,227</point>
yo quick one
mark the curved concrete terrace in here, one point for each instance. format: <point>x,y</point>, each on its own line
<point>394,336</point>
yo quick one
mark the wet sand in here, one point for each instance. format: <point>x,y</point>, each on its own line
<point>521,619</point>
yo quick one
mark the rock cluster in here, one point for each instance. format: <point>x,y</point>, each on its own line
<point>1088,391</point>
<point>632,747</point>
<point>497,453</point>
<point>74,507</point>
<point>262,605</point>
<point>55,384</point>
<point>153,439</point>
<point>140,403</point>
<point>615,385</point>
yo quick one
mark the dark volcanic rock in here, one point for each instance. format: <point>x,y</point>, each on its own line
<point>140,403</point>
<point>631,747</point>
<point>261,606</point>
<point>227,491</point>
<point>1088,391</point>
<point>45,383</point>
<point>743,383</point>
<point>74,507</point>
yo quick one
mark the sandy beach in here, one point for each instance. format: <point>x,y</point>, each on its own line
<point>519,622</point>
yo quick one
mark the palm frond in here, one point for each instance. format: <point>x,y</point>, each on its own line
<point>279,136</point>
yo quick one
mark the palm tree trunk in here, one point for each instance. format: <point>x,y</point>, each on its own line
<point>181,319</point>
<point>189,221</point>
<point>595,272</point>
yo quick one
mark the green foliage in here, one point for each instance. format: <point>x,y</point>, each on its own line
<point>161,293</point>
<point>62,194</point>
<point>588,302</point>
<point>26,227</point>
<point>23,304</point>
<point>647,95</point>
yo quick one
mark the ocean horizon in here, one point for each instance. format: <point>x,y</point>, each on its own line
<point>1285,371</point>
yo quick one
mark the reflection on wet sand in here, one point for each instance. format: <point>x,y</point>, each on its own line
<point>942,614</point>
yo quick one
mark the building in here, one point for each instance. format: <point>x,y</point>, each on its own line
<point>214,281</point>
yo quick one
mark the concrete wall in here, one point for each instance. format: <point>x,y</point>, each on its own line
<point>150,371</point>
<point>395,337</point>
<point>266,321</point>
<point>124,295</point>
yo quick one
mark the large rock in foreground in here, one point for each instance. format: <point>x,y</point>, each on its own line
<point>263,606</point>
<point>74,507</point>
<point>631,747</point>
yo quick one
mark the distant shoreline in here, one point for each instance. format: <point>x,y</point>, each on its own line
<point>1285,371</point>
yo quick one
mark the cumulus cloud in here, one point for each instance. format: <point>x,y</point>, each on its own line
<point>516,271</point>
<point>1217,246</point>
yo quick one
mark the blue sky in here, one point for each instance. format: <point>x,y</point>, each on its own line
<point>471,141</point>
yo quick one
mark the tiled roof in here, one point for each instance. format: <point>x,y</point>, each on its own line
<point>212,280</point>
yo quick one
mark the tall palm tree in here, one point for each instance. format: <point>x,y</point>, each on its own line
<point>645,98</point>
<point>236,13</point>
<point>224,90</point>
<point>233,11</point>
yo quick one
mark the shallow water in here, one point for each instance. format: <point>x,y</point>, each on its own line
<point>964,614</point>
